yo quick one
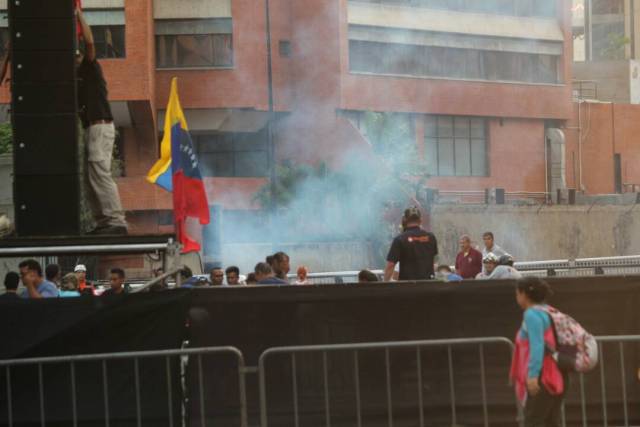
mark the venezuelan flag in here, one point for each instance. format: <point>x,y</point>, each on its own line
<point>177,171</point>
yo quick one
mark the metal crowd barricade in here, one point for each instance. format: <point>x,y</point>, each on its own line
<point>387,347</point>
<point>594,391</point>
<point>138,359</point>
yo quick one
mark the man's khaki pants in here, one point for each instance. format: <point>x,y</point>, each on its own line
<point>102,191</point>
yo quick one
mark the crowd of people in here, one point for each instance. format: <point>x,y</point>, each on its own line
<point>412,256</point>
<point>53,284</point>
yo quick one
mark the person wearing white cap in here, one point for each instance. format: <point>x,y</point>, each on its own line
<point>83,285</point>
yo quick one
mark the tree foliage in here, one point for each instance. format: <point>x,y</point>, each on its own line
<point>6,138</point>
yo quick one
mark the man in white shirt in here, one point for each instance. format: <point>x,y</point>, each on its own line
<point>490,247</point>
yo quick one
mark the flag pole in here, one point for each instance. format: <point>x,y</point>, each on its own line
<point>270,143</point>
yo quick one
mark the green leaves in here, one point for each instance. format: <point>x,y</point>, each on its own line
<point>6,138</point>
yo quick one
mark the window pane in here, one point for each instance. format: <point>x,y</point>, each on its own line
<point>109,41</point>
<point>431,155</point>
<point>251,163</point>
<point>479,157</point>
<point>222,50</point>
<point>461,127</point>
<point>215,143</point>
<point>445,126</point>
<point>445,157</point>
<point>194,50</point>
<point>216,164</point>
<point>250,141</point>
<point>430,126</point>
<point>463,157</point>
<point>478,128</point>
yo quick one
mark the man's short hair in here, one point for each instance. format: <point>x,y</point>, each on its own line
<point>465,237</point>
<point>11,281</point>
<point>444,267</point>
<point>280,256</point>
<point>118,271</point>
<point>214,269</point>
<point>412,214</point>
<point>232,269</point>
<point>31,264</point>
<point>367,276</point>
<point>51,271</point>
<point>487,234</point>
<point>269,259</point>
<point>263,268</point>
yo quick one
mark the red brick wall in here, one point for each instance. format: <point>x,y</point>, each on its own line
<point>606,129</point>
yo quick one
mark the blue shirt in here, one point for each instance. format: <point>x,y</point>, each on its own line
<point>46,289</point>
<point>536,322</point>
<point>68,294</point>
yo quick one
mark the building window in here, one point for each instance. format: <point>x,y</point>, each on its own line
<point>232,154</point>
<point>541,8</point>
<point>109,41</point>
<point>433,61</point>
<point>285,48</point>
<point>108,28</point>
<point>194,43</point>
<point>456,146</point>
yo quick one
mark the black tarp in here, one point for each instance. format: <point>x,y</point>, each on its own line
<point>86,325</point>
<point>254,319</point>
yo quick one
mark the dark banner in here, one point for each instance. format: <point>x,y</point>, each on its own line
<point>255,319</point>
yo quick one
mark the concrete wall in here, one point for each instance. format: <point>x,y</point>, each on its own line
<point>533,233</point>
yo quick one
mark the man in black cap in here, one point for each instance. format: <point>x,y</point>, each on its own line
<point>415,249</point>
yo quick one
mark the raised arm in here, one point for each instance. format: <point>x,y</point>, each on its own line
<point>90,52</point>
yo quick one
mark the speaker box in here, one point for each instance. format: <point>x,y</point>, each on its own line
<point>47,205</point>
<point>45,145</point>
<point>41,9</point>
<point>43,34</point>
<point>44,117</point>
<point>42,66</point>
<point>44,98</point>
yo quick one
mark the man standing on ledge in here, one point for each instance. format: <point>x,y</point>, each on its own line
<point>99,137</point>
<point>415,249</point>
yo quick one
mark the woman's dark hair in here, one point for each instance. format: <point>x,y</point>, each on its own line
<point>536,289</point>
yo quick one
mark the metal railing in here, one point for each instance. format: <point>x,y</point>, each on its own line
<point>619,265</point>
<point>182,357</point>
<point>455,385</point>
<point>595,385</point>
<point>356,351</point>
<point>584,89</point>
<point>479,196</point>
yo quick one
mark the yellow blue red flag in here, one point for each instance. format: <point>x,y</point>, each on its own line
<point>177,171</point>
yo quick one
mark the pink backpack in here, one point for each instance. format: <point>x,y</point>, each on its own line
<point>577,349</point>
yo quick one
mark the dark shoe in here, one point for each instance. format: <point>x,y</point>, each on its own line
<point>115,230</point>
